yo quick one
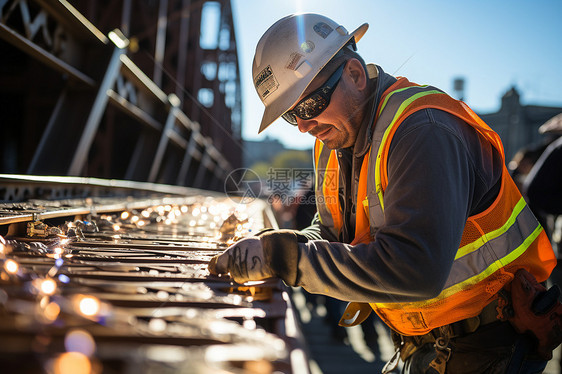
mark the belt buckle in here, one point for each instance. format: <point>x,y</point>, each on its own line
<point>442,344</point>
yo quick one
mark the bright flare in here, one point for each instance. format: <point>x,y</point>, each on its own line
<point>11,266</point>
<point>52,311</point>
<point>48,286</point>
<point>72,363</point>
<point>89,306</point>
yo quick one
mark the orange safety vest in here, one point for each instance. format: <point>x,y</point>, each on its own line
<point>494,245</point>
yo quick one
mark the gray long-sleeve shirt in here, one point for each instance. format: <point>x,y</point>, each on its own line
<point>440,171</point>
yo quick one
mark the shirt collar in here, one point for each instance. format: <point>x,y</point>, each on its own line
<point>379,81</point>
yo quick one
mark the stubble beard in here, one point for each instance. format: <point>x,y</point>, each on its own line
<point>347,138</point>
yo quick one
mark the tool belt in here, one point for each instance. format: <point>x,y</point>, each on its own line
<point>440,337</point>
<point>527,305</point>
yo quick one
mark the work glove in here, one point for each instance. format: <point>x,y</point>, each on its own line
<point>244,260</point>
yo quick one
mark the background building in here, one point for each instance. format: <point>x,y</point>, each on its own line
<point>518,124</point>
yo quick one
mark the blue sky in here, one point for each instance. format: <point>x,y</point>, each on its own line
<point>492,44</point>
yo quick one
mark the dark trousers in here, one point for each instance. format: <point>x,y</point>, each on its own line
<point>492,349</point>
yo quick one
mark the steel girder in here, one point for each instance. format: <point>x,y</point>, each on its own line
<point>117,281</point>
<point>89,109</point>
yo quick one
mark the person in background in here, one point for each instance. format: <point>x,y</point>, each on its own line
<point>523,161</point>
<point>417,216</point>
<point>543,190</point>
<point>543,184</point>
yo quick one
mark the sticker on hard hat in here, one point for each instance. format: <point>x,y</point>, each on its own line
<point>265,82</point>
<point>307,46</point>
<point>323,29</point>
<point>294,59</point>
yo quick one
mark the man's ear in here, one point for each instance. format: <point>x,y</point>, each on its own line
<point>358,76</point>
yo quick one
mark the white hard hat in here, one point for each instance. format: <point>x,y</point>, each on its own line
<point>290,54</point>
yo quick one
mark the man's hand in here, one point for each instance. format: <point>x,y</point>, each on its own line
<point>244,261</point>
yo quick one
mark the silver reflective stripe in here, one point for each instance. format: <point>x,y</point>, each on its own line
<point>324,213</point>
<point>391,105</point>
<point>376,214</point>
<point>493,250</point>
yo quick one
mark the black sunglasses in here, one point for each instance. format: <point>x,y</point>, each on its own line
<point>315,103</point>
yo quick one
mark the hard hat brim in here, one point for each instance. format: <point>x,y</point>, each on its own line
<point>277,108</point>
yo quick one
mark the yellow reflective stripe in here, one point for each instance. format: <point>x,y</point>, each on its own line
<point>366,207</point>
<point>471,247</point>
<point>328,179</point>
<point>399,112</point>
<point>502,262</point>
<point>392,93</point>
<point>320,146</point>
<point>396,91</point>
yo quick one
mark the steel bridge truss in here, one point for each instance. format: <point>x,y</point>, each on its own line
<point>81,106</point>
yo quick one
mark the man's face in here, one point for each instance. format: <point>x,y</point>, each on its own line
<point>338,125</point>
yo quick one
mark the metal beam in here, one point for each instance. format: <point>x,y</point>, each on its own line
<point>96,113</point>
<point>43,56</point>
<point>160,47</point>
<point>170,121</point>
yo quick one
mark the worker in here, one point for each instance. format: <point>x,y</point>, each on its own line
<point>543,190</point>
<point>543,185</point>
<point>418,218</point>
